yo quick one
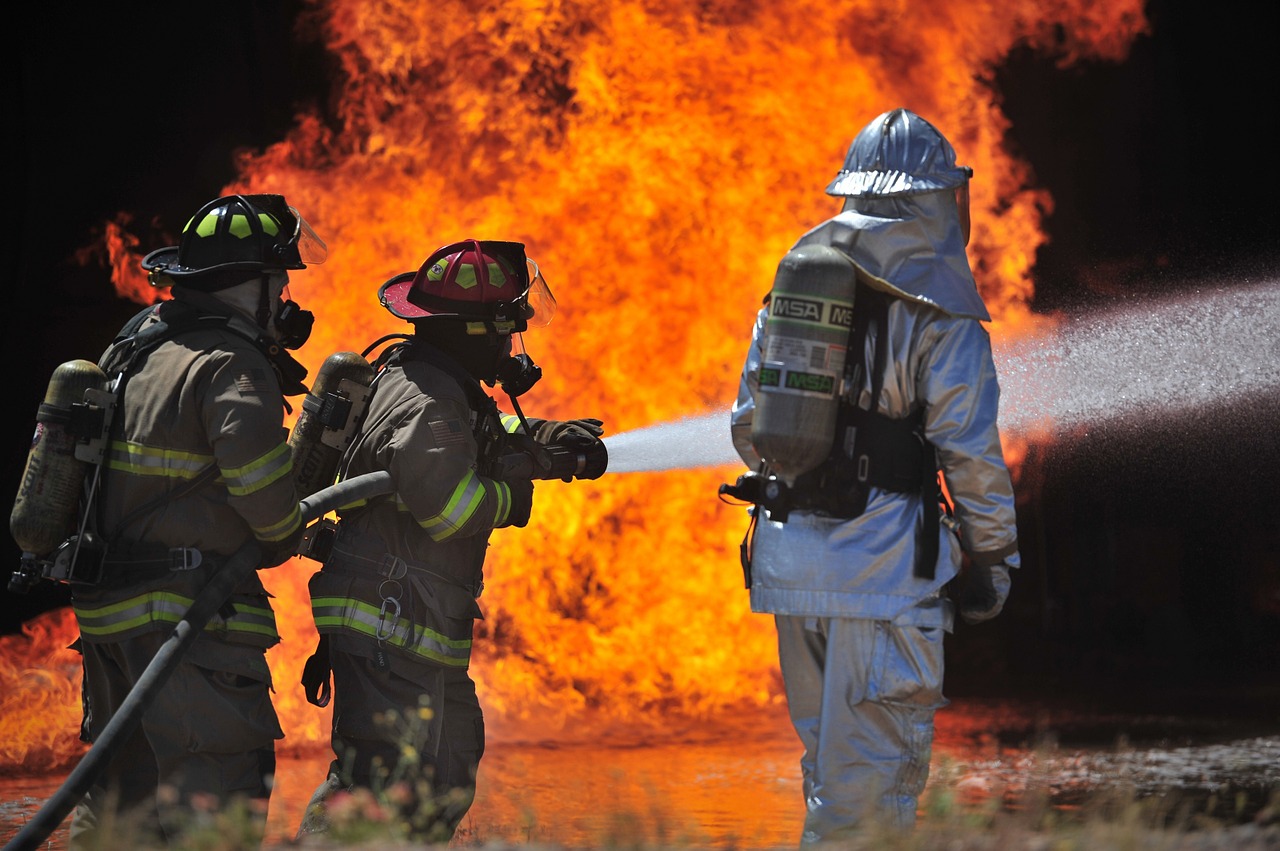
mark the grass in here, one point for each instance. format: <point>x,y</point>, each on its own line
<point>1112,821</point>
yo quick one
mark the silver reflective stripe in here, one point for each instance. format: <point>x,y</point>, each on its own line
<point>502,495</point>
<point>140,460</point>
<point>260,472</point>
<point>463,502</point>
<point>283,529</point>
<point>164,607</point>
<point>365,619</point>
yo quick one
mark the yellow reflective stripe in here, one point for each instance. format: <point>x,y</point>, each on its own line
<point>502,494</point>
<point>168,608</point>
<point>462,504</point>
<point>510,423</point>
<point>283,529</point>
<point>260,472</point>
<point>365,619</point>
<point>141,460</point>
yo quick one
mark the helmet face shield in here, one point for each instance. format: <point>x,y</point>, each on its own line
<point>311,248</point>
<point>539,303</point>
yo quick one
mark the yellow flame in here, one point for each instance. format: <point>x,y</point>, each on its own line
<point>657,159</point>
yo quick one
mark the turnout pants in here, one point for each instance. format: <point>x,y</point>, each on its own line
<point>862,696</point>
<point>206,743</point>
<point>411,730</point>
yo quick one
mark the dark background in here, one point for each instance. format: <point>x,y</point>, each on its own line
<point>1147,557</point>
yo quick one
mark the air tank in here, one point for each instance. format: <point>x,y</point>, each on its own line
<point>45,511</point>
<point>802,367</point>
<point>328,421</point>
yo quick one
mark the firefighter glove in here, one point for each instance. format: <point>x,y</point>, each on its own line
<point>570,433</point>
<point>984,591</point>
<point>521,502</point>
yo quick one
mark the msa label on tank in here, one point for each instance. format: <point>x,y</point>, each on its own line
<point>809,309</point>
<point>776,378</point>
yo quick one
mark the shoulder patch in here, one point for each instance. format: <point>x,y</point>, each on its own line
<point>448,432</point>
<point>255,380</point>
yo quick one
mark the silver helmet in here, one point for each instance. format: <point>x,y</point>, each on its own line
<point>898,153</point>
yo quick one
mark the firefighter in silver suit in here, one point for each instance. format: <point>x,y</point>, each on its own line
<point>197,465</point>
<point>856,580</point>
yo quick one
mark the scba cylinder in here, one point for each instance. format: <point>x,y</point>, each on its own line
<point>44,513</point>
<point>802,368</point>
<point>328,420</point>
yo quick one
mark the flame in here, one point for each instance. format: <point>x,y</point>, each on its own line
<point>657,159</point>
<point>40,702</point>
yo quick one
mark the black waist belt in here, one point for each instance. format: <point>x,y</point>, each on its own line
<point>160,559</point>
<point>136,564</point>
<point>92,563</point>
<point>363,554</point>
<point>873,450</point>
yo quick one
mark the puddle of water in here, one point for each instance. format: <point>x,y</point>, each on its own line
<point>742,790</point>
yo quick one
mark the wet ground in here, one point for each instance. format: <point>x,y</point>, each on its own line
<point>741,787</point>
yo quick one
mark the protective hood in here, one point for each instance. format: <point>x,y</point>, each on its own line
<point>910,246</point>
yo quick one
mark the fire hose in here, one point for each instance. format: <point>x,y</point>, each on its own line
<point>239,566</point>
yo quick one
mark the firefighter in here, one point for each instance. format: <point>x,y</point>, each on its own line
<point>397,594</point>
<point>196,466</point>
<point>853,556</point>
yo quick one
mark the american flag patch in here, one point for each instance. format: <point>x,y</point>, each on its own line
<point>253,381</point>
<point>448,433</point>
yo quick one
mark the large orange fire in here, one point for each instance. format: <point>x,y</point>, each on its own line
<point>657,159</point>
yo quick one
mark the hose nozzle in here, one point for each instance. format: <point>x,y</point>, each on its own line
<point>557,461</point>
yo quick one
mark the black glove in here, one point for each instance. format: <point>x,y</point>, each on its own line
<point>571,433</point>
<point>984,591</point>
<point>521,502</point>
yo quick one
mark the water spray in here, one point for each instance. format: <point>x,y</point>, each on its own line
<point>686,444</point>
<point>1154,358</point>
<point>1209,347</point>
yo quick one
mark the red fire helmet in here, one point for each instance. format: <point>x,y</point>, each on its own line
<point>477,280</point>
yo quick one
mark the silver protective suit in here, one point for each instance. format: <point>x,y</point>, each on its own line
<point>859,634</point>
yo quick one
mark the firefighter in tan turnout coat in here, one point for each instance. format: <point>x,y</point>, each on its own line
<point>397,597</point>
<point>197,465</point>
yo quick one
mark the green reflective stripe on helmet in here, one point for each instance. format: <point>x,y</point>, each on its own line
<point>259,473</point>
<point>129,457</point>
<point>164,607</point>
<point>361,617</point>
<point>462,504</point>
<point>206,227</point>
<point>239,226</point>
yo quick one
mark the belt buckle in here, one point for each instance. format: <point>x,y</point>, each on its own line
<point>185,558</point>
<point>78,560</point>
<point>392,567</point>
